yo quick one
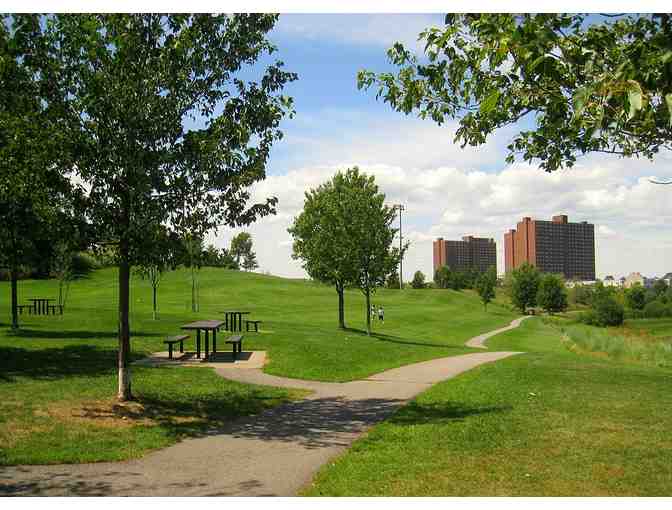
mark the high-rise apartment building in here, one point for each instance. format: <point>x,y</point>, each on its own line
<point>470,253</point>
<point>555,246</point>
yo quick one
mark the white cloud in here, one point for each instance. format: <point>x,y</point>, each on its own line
<point>380,30</point>
<point>631,214</point>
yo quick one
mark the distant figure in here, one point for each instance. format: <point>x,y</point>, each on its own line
<point>381,314</point>
<point>373,311</point>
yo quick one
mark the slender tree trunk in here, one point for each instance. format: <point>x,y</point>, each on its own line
<point>124,392</point>
<point>368,311</point>
<point>341,306</point>
<point>15,299</point>
<point>154,302</point>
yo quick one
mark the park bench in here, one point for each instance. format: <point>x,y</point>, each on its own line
<point>256,325</point>
<point>52,309</point>
<point>236,342</point>
<point>172,340</point>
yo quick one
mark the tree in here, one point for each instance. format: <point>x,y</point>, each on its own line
<point>35,195</point>
<point>418,280</point>
<point>241,247</point>
<point>485,286</point>
<point>163,256</point>
<point>582,86</point>
<point>660,288</point>
<point>552,295</point>
<point>344,236</point>
<point>524,286</point>
<point>393,280</point>
<point>167,130</point>
<point>635,297</point>
<point>442,277</point>
<point>250,261</point>
<point>320,238</point>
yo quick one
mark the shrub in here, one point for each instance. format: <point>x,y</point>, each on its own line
<point>655,310</point>
<point>552,295</point>
<point>83,263</point>
<point>418,280</point>
<point>604,312</point>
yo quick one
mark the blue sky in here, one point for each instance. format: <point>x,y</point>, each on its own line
<point>448,191</point>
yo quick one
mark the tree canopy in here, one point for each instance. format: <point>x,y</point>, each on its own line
<point>344,236</point>
<point>164,129</point>
<point>581,83</point>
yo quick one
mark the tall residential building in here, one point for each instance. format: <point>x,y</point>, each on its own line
<point>478,253</point>
<point>556,246</point>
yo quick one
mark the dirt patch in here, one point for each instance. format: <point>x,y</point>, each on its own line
<point>107,413</point>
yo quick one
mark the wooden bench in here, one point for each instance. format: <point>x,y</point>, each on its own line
<point>52,309</point>
<point>256,325</point>
<point>172,340</point>
<point>237,342</point>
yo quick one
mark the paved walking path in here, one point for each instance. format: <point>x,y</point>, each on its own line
<point>274,453</point>
<point>479,341</point>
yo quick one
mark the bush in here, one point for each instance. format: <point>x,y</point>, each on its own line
<point>655,310</point>
<point>552,295</point>
<point>604,312</point>
<point>83,263</point>
<point>418,280</point>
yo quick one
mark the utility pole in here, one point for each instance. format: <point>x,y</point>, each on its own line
<point>400,207</point>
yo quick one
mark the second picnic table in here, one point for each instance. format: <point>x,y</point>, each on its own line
<point>41,305</point>
<point>233,320</point>
<point>207,327</point>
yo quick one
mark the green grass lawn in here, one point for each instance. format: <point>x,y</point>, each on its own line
<point>58,376</point>
<point>546,423</point>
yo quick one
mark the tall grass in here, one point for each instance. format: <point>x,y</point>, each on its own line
<point>620,343</point>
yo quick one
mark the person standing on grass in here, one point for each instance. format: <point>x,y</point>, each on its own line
<point>373,311</point>
<point>381,314</point>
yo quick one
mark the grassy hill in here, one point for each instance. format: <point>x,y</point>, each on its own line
<point>300,320</point>
<point>58,374</point>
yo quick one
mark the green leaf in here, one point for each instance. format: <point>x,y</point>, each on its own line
<point>490,102</point>
<point>634,98</point>
<point>668,101</point>
<point>580,97</point>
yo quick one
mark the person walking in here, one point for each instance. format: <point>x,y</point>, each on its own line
<point>373,311</point>
<point>381,314</point>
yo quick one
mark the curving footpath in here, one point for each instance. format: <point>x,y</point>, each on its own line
<point>479,341</point>
<point>274,453</point>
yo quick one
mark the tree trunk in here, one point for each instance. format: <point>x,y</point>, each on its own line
<point>341,306</point>
<point>368,311</point>
<point>15,311</point>
<point>154,302</point>
<point>124,392</point>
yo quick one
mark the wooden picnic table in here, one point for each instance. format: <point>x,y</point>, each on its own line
<point>41,305</point>
<point>233,320</point>
<point>206,327</point>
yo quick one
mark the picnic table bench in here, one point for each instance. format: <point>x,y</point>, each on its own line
<point>236,342</point>
<point>255,323</point>
<point>172,340</point>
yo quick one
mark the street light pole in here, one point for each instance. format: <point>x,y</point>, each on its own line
<point>400,208</point>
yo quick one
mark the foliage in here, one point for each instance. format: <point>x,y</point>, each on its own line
<point>418,281</point>
<point>37,200</point>
<point>393,280</point>
<point>604,311</point>
<point>344,235</point>
<point>552,294</point>
<point>635,297</point>
<point>135,84</point>
<point>657,309</point>
<point>250,262</point>
<point>583,85</point>
<point>486,285</point>
<point>241,246</point>
<point>213,257</point>
<point>524,286</point>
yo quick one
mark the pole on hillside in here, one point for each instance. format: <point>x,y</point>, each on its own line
<point>400,208</point>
